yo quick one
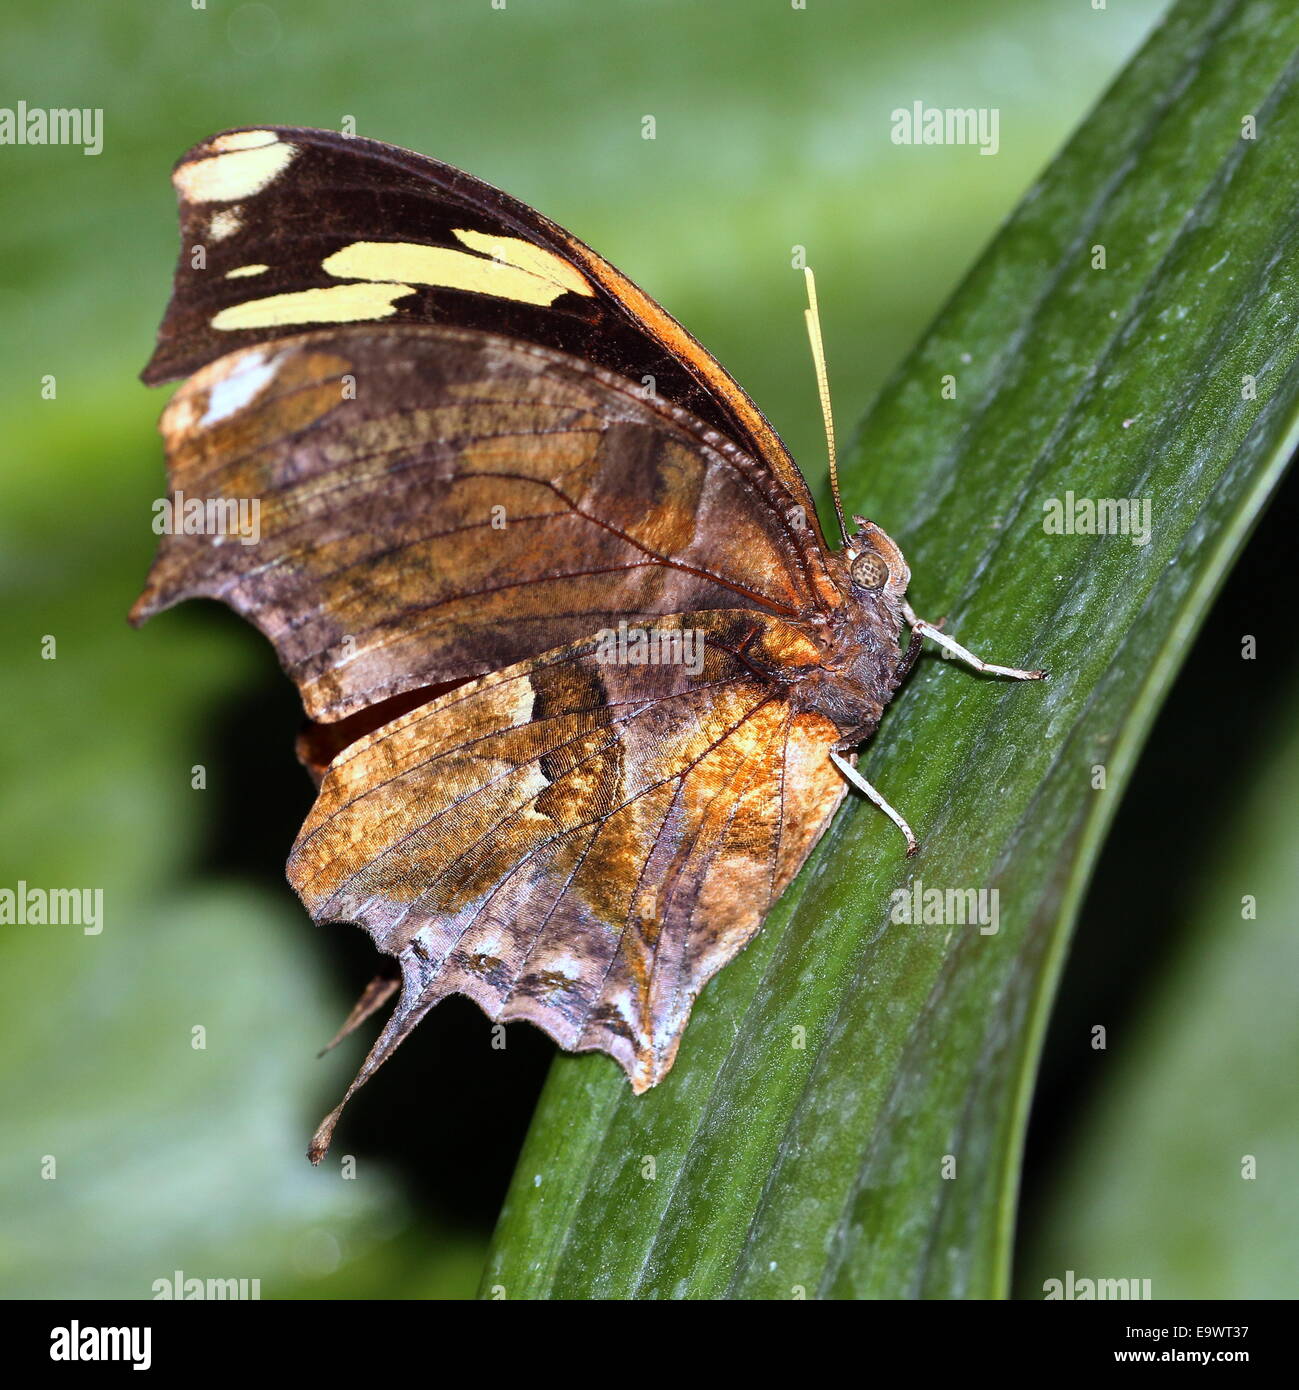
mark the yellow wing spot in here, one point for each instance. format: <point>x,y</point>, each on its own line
<point>229,175</point>
<point>333,304</point>
<point>443,268</point>
<point>224,223</point>
<point>516,251</point>
<point>242,140</point>
<point>241,270</point>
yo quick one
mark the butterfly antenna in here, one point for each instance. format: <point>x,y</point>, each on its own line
<point>813,317</point>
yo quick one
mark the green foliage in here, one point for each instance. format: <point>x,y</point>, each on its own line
<point>1183,1169</point>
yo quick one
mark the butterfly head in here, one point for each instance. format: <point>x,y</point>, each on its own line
<point>875,564</point>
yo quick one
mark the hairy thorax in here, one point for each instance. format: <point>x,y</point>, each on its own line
<point>860,667</point>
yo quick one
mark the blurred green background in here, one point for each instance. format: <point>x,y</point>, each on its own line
<point>772,131</point>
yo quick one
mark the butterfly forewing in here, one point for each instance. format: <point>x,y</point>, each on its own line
<point>284,228</point>
<point>437,503</point>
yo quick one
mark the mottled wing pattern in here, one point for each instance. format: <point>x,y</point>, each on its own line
<point>284,228</point>
<point>436,503</point>
<point>475,450</point>
<point>577,842</point>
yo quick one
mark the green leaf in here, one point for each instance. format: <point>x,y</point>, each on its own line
<point>765,1169</point>
<point>1185,1170</point>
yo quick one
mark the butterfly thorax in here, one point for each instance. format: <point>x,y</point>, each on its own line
<point>861,662</point>
<point>860,666</point>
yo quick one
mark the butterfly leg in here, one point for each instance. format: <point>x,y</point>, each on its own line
<point>909,656</point>
<point>951,645</point>
<point>857,780</point>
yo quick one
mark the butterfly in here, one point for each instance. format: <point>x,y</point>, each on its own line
<point>584,678</point>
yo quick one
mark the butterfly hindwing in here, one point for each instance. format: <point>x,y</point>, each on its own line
<point>578,841</point>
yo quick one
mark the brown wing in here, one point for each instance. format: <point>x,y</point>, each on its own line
<point>574,841</point>
<point>283,228</point>
<point>434,503</point>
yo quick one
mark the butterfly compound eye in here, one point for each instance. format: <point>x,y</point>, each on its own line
<point>869,571</point>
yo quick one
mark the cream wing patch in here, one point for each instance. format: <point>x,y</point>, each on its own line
<point>536,259</point>
<point>237,169</point>
<point>243,140</point>
<point>332,304</point>
<point>234,391</point>
<point>224,223</point>
<point>513,269</point>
